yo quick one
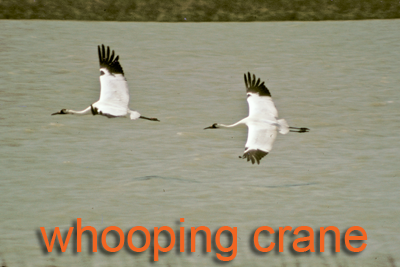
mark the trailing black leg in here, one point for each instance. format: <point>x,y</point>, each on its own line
<point>150,119</point>
<point>299,130</point>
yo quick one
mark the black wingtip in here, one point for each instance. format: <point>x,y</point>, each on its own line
<point>254,155</point>
<point>107,60</point>
<point>254,85</point>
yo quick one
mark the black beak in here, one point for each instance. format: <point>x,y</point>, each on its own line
<point>214,126</point>
<point>63,111</point>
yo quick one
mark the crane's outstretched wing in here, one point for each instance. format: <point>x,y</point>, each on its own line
<point>114,91</point>
<point>260,139</point>
<point>259,99</point>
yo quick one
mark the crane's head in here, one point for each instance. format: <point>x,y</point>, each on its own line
<point>63,111</point>
<point>214,126</point>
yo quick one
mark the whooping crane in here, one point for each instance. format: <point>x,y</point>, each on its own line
<point>263,122</point>
<point>114,91</point>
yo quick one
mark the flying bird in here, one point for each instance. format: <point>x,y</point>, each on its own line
<point>263,122</point>
<point>114,91</point>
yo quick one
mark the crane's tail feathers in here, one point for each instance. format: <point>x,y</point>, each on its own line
<point>283,126</point>
<point>254,155</point>
<point>134,115</point>
<point>299,129</point>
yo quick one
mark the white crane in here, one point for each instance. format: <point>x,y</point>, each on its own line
<point>263,122</point>
<point>114,91</point>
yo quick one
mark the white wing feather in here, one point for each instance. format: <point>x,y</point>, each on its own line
<point>260,136</point>
<point>114,95</point>
<point>114,90</point>
<point>261,106</point>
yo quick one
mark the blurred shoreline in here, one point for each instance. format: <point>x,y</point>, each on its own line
<point>200,10</point>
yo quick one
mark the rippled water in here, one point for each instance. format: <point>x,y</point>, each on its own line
<point>340,79</point>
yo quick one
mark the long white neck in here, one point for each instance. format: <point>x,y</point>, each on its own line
<point>243,121</point>
<point>81,112</point>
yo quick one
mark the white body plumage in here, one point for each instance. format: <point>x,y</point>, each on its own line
<point>114,91</point>
<point>262,122</point>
